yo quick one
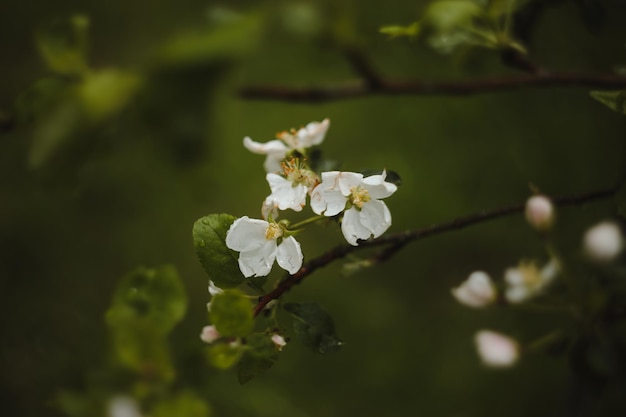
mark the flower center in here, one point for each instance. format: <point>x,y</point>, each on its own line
<point>273,231</point>
<point>359,196</point>
<point>297,173</point>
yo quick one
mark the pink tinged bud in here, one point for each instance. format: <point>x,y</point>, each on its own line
<point>476,291</point>
<point>209,334</point>
<point>539,212</point>
<point>496,350</point>
<point>279,341</point>
<point>603,242</point>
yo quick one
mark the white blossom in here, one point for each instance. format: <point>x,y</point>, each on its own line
<point>476,291</point>
<point>259,244</point>
<point>603,242</point>
<point>365,215</point>
<point>287,141</point>
<point>527,280</point>
<point>539,212</point>
<point>279,341</point>
<point>209,334</point>
<point>495,349</point>
<point>123,406</point>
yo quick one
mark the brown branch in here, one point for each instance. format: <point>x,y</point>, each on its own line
<point>398,240</point>
<point>382,87</point>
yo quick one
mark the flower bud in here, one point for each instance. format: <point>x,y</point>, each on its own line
<point>539,212</point>
<point>495,349</point>
<point>279,341</point>
<point>476,291</point>
<point>209,334</point>
<point>603,242</point>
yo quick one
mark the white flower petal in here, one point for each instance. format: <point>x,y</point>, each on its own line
<point>273,147</point>
<point>289,255</point>
<point>246,234</point>
<point>377,186</point>
<point>352,228</point>
<point>330,202</point>
<point>284,194</point>
<point>258,262</point>
<point>375,216</point>
<point>313,133</point>
<point>476,291</point>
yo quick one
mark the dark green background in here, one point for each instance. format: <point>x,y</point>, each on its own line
<point>127,191</point>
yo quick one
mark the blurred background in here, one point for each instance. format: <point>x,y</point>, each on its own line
<point>108,174</point>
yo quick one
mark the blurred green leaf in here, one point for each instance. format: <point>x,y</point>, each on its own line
<point>314,327</point>
<point>105,92</point>
<point>224,355</point>
<point>446,15</point>
<point>260,355</point>
<point>63,45</point>
<point>231,313</point>
<point>146,305</point>
<point>395,31</point>
<point>226,41</point>
<point>615,100</point>
<point>185,404</point>
<point>219,262</point>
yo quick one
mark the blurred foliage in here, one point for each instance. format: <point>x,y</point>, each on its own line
<point>120,126</point>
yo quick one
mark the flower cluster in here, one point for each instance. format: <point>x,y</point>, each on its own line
<point>349,196</point>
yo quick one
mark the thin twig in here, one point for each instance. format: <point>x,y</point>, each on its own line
<point>358,89</point>
<point>398,240</point>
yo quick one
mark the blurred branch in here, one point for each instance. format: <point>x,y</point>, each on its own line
<point>385,87</point>
<point>397,241</point>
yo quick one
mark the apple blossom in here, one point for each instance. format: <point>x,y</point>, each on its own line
<point>527,280</point>
<point>209,334</point>
<point>365,215</point>
<point>287,141</point>
<point>279,341</point>
<point>260,243</point>
<point>539,212</point>
<point>289,190</point>
<point>495,349</point>
<point>603,242</point>
<point>476,291</point>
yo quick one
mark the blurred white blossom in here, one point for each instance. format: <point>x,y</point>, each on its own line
<point>495,349</point>
<point>123,406</point>
<point>527,280</point>
<point>209,334</point>
<point>279,341</point>
<point>603,242</point>
<point>476,291</point>
<point>539,212</point>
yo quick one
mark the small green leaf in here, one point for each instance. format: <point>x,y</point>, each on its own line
<point>260,355</point>
<point>224,355</point>
<point>146,305</point>
<point>219,262</point>
<point>105,92</point>
<point>63,45</point>
<point>185,403</point>
<point>446,15</point>
<point>395,31</point>
<point>615,100</point>
<point>231,313</point>
<point>314,327</point>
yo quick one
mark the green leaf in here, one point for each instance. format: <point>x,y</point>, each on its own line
<point>260,355</point>
<point>446,15</point>
<point>224,355</point>
<point>231,313</point>
<point>615,100</point>
<point>185,403</point>
<point>146,305</point>
<point>314,327</point>
<point>219,262</point>
<point>63,45</point>
<point>394,31</point>
<point>105,92</point>
<point>226,41</point>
